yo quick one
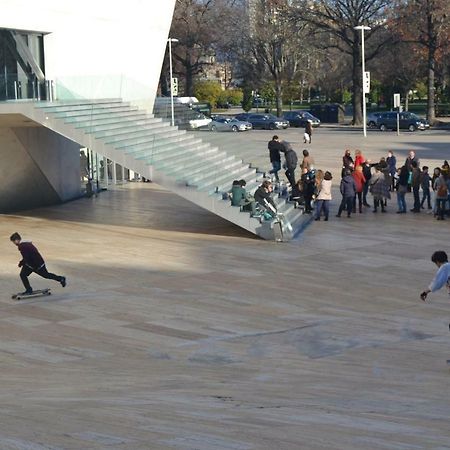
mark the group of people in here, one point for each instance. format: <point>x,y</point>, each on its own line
<point>360,176</point>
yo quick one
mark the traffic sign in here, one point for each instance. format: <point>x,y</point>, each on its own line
<point>366,84</point>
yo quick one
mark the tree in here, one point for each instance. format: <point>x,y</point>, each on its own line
<point>337,19</point>
<point>430,29</point>
<point>194,24</point>
<point>208,91</point>
<point>274,40</point>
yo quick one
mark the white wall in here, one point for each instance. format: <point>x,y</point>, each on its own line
<point>98,48</point>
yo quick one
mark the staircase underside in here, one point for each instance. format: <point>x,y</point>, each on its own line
<point>173,158</point>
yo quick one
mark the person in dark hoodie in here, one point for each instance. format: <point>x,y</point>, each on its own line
<point>291,163</point>
<point>263,196</point>
<point>32,261</point>
<point>275,147</point>
<point>348,191</point>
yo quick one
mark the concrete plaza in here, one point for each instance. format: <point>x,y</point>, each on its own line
<point>180,331</point>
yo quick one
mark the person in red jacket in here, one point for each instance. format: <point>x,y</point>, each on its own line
<point>360,179</point>
<point>359,158</point>
<point>32,261</point>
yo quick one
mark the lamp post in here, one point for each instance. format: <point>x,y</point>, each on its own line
<point>170,40</point>
<point>363,64</point>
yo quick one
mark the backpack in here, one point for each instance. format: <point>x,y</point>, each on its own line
<point>442,190</point>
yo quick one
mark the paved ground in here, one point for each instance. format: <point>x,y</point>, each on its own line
<point>180,331</point>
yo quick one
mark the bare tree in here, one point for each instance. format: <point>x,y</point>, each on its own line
<point>274,40</point>
<point>196,24</point>
<point>339,18</point>
<point>430,29</point>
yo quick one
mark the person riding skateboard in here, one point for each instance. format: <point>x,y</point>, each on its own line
<point>32,261</point>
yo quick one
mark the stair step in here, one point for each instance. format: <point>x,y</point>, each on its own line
<point>93,112</point>
<point>167,152</point>
<point>113,130</point>
<point>210,164</point>
<point>180,165</point>
<point>145,130</point>
<point>224,179</point>
<point>85,107</point>
<point>106,119</point>
<point>57,103</point>
<point>148,137</point>
<point>188,158</point>
<point>212,171</point>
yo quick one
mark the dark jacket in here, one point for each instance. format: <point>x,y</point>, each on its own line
<point>426,179</point>
<point>416,178</point>
<point>408,163</point>
<point>30,256</point>
<point>261,195</point>
<point>275,147</point>
<point>348,186</point>
<point>367,171</point>
<point>392,162</point>
<point>291,159</point>
<point>308,128</point>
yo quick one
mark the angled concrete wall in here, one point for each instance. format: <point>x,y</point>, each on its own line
<point>39,167</point>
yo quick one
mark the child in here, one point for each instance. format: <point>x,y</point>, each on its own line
<point>32,261</point>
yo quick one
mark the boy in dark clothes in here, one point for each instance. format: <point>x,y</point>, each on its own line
<point>32,261</point>
<point>425,182</point>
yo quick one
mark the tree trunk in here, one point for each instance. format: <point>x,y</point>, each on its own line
<point>279,96</point>
<point>407,99</point>
<point>431,107</point>
<point>357,84</point>
<point>189,82</point>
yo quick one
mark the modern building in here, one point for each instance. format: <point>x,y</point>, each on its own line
<point>82,76</point>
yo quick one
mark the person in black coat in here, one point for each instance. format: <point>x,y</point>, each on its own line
<point>264,198</point>
<point>291,163</point>
<point>275,147</point>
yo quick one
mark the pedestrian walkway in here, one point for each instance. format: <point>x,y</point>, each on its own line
<point>205,337</point>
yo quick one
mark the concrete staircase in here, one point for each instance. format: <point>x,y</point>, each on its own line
<point>173,158</point>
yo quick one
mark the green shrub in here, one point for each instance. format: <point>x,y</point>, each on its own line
<point>208,91</point>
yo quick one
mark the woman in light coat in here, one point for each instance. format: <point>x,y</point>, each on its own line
<point>324,196</point>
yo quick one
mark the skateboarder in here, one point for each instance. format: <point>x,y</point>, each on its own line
<point>442,277</point>
<point>32,261</point>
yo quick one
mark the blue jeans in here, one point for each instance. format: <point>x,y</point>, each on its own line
<point>276,167</point>
<point>426,196</point>
<point>322,204</point>
<point>401,201</point>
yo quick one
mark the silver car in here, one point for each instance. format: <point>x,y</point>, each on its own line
<point>229,124</point>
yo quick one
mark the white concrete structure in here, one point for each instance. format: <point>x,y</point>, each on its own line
<point>97,49</point>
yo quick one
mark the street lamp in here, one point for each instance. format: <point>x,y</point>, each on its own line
<point>170,40</point>
<point>363,28</point>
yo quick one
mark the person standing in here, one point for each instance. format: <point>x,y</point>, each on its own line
<point>441,188</point>
<point>402,189</point>
<point>415,184</point>
<point>32,261</point>
<point>324,197</point>
<point>367,172</point>
<point>348,191</point>
<point>379,189</point>
<point>308,131</point>
<point>309,187</point>
<point>360,180</point>
<point>347,163</point>
<point>275,147</point>
<point>425,183</point>
<point>291,163</point>
<point>359,158</point>
<point>308,161</point>
<point>391,161</point>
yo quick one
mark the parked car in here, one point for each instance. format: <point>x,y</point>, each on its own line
<point>407,121</point>
<point>266,121</point>
<point>372,119</point>
<point>199,121</point>
<point>242,116</point>
<point>299,118</point>
<point>222,123</point>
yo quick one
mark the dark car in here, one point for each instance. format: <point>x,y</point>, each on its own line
<point>242,116</point>
<point>300,118</point>
<point>265,121</point>
<point>407,121</point>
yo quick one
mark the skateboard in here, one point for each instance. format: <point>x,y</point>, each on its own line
<point>38,293</point>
